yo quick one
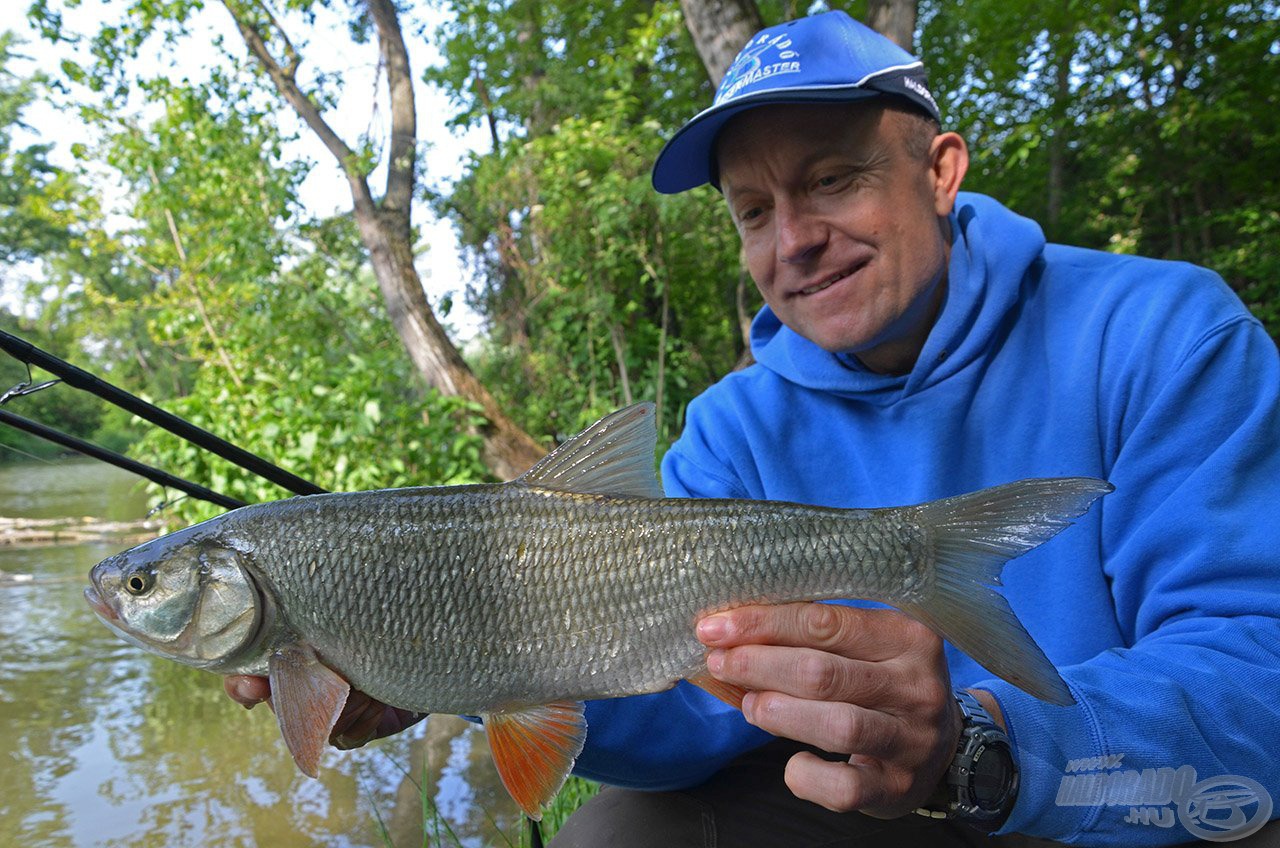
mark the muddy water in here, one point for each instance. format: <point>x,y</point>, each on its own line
<point>104,745</point>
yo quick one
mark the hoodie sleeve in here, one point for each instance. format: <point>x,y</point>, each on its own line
<point>680,737</point>
<point>1169,727</point>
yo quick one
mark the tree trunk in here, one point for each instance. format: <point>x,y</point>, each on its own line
<point>895,19</point>
<point>719,29</point>
<point>385,224</point>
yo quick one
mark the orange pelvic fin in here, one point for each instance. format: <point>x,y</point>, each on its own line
<point>727,692</point>
<point>308,698</point>
<point>534,750</point>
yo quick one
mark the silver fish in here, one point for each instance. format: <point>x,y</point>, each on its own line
<point>577,581</point>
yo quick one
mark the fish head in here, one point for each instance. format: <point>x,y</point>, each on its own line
<point>187,597</point>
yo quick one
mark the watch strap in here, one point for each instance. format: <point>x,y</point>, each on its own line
<point>959,797</point>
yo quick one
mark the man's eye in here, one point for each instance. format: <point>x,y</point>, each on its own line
<point>750,215</point>
<point>831,180</point>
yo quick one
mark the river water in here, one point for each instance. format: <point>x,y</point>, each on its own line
<point>102,744</point>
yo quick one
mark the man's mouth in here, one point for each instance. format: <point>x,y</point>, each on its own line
<point>830,281</point>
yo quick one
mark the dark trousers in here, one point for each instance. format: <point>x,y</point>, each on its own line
<point>747,805</point>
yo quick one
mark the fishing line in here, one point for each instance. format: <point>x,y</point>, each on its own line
<point>29,456</point>
<point>155,475</point>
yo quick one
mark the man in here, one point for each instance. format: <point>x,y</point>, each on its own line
<point>918,342</point>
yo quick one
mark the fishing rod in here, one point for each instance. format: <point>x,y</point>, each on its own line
<point>151,473</point>
<point>78,378</point>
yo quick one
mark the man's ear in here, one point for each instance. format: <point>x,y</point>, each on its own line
<point>948,162</point>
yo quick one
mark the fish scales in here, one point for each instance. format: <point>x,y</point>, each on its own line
<point>461,595</point>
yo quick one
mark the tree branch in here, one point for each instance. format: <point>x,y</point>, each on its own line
<point>285,81</point>
<point>404,125</point>
<point>291,67</point>
<point>190,280</point>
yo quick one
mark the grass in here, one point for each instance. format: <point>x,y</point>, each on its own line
<point>438,833</point>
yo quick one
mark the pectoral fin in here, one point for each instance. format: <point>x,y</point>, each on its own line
<point>534,750</point>
<point>308,698</point>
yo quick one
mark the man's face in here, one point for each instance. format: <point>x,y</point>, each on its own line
<point>843,227</point>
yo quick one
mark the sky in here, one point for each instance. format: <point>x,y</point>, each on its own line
<point>325,189</point>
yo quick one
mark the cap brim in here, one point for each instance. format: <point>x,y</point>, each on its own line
<point>687,159</point>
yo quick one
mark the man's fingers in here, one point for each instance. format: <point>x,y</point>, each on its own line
<point>840,787</point>
<point>802,672</point>
<point>869,634</point>
<point>247,690</point>
<point>358,723</point>
<point>364,719</point>
<point>836,727</point>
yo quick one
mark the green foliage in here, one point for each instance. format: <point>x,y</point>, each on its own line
<point>212,205</point>
<point>575,792</point>
<point>1138,128</point>
<point>524,65</point>
<point>598,290</point>
<point>33,192</point>
<point>36,219</point>
<point>327,393</point>
<point>280,340</point>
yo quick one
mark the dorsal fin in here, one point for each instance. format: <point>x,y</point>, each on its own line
<point>614,456</point>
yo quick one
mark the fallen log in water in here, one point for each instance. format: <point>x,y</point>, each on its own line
<point>27,532</point>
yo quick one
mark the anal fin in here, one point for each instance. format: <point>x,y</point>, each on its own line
<point>727,692</point>
<point>308,697</point>
<point>534,750</point>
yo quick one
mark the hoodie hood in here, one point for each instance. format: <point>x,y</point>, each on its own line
<point>992,250</point>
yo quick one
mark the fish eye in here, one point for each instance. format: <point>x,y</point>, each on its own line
<point>139,582</point>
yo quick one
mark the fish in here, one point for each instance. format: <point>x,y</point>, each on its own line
<point>516,602</point>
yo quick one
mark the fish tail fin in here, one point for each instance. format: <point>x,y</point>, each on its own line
<point>973,536</point>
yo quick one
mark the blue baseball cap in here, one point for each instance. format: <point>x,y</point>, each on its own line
<point>820,59</point>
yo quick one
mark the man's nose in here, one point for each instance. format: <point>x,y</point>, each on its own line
<point>800,235</point>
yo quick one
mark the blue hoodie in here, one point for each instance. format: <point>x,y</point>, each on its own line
<point>1161,607</point>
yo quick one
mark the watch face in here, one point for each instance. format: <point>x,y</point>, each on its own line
<point>992,777</point>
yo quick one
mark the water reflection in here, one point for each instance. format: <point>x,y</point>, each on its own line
<point>102,744</point>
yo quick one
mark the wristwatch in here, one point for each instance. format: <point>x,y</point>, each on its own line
<point>982,782</point>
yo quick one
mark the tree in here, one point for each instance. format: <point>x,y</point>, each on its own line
<point>33,193</point>
<point>598,291</point>
<point>277,312</point>
<point>719,29</point>
<point>384,222</point>
<point>1130,129</point>
<point>896,19</point>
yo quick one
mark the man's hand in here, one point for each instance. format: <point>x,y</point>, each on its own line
<point>363,719</point>
<point>871,684</point>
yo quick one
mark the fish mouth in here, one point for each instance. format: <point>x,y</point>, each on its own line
<point>100,606</point>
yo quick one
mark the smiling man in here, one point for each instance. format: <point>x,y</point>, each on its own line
<point>843,220</point>
<point>919,342</point>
